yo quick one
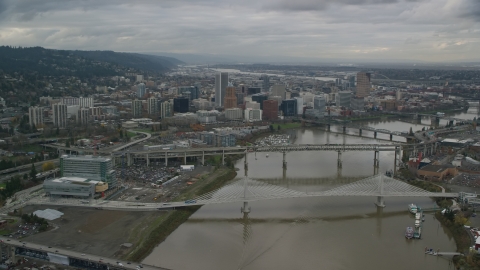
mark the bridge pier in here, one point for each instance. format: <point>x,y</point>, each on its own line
<point>376,162</point>
<point>360,132</point>
<point>284,164</point>
<point>166,159</point>
<point>129,159</point>
<point>374,134</point>
<point>380,201</point>
<point>148,160</point>
<point>203,158</point>
<point>391,137</point>
<point>339,160</point>
<point>344,129</point>
<point>185,158</point>
<point>328,127</point>
<point>245,209</point>
<point>223,157</point>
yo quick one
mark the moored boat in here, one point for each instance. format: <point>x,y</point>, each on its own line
<point>413,208</point>
<point>409,233</point>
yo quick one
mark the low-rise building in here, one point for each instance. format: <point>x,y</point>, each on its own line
<point>74,187</point>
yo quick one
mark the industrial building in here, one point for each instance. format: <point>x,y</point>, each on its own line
<point>89,167</point>
<point>180,104</point>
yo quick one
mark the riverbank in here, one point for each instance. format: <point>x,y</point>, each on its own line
<point>165,225</point>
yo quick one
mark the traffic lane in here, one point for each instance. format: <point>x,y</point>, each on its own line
<point>74,254</point>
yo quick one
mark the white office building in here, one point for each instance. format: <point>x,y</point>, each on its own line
<point>234,114</point>
<point>85,102</point>
<point>252,115</point>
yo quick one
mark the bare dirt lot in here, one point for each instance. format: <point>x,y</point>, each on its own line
<point>99,232</point>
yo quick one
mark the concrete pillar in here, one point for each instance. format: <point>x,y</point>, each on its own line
<point>148,160</point>
<point>431,149</point>
<point>223,157</point>
<point>166,159</point>
<point>395,162</point>
<point>391,137</point>
<point>113,159</point>
<point>344,129</point>
<point>360,132</point>
<point>185,158</point>
<point>284,164</point>
<point>328,127</point>
<point>339,160</point>
<point>245,208</point>
<point>380,202</point>
<point>374,134</point>
<point>203,158</point>
<point>424,150</point>
<point>376,162</point>
<point>129,159</point>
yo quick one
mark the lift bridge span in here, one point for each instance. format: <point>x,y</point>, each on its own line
<point>248,190</point>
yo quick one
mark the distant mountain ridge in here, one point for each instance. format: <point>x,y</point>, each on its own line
<point>51,62</point>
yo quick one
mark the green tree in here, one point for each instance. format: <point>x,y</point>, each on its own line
<point>271,128</point>
<point>33,173</point>
<point>58,131</point>
<point>67,144</point>
<point>278,127</point>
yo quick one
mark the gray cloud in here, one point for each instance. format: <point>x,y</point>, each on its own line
<point>312,5</point>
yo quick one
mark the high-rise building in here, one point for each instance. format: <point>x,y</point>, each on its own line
<point>221,83</point>
<point>299,105</point>
<point>83,116</point>
<point>265,83</point>
<point>270,110</point>
<point>240,98</point>
<point>59,115</point>
<point>152,106</point>
<point>137,108</point>
<point>259,98</point>
<point>363,84</point>
<point>230,97</point>
<point>166,109</point>
<point>85,102</point>
<point>289,107</point>
<point>35,115</point>
<point>180,105</point>
<point>69,101</point>
<point>278,90</point>
<point>343,98</point>
<point>90,167</point>
<point>141,90</point>
<point>319,106</point>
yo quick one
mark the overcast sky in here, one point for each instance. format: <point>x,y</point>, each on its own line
<point>350,30</point>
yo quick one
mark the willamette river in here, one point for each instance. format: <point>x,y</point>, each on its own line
<point>310,233</point>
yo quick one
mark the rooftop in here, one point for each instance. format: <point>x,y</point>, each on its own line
<point>86,158</point>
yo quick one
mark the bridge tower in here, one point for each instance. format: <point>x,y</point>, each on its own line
<point>245,209</point>
<point>380,200</point>
<point>376,162</point>
<point>339,160</point>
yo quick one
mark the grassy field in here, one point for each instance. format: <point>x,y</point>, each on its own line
<point>29,148</point>
<point>287,126</point>
<point>146,130</point>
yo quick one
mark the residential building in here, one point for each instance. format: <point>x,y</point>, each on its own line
<point>137,108</point>
<point>363,84</point>
<point>152,106</point>
<point>357,104</point>
<point>141,90</point>
<point>35,115</point>
<point>83,116</point>
<point>90,167</point>
<point>225,140</point>
<point>139,78</point>
<point>221,83</point>
<point>166,109</point>
<point>69,101</point>
<point>59,115</point>
<point>85,102</point>
<point>270,110</point>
